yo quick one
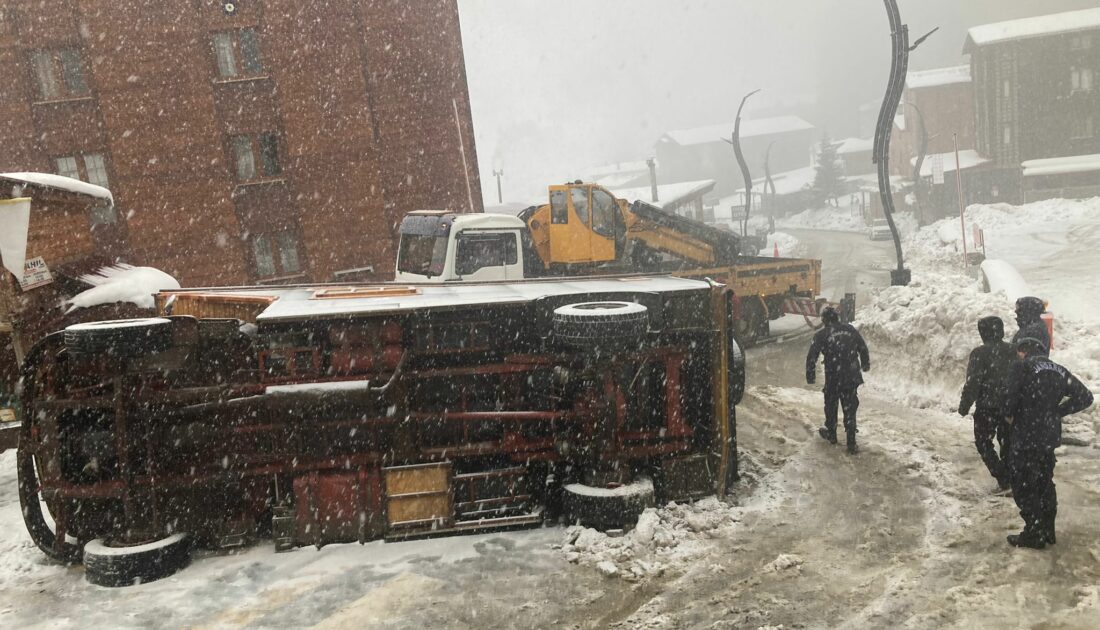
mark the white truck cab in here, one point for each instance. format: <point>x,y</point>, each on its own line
<point>441,246</point>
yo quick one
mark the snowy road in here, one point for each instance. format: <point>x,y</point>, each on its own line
<point>905,535</point>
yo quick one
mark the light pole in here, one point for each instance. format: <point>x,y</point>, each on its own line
<point>735,140</point>
<point>498,175</point>
<point>899,68</point>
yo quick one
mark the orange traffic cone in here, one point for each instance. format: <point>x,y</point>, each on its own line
<point>775,252</point>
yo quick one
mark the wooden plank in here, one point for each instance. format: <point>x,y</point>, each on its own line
<point>412,479</point>
<point>420,508</point>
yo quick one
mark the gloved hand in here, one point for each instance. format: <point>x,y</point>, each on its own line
<point>810,378</point>
<point>963,411</point>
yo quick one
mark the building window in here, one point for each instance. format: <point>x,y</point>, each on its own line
<point>59,74</point>
<point>238,53</point>
<point>1083,127</point>
<point>1080,42</point>
<point>1081,79</point>
<point>1007,135</point>
<point>1006,89</point>
<point>276,254</point>
<point>91,168</point>
<point>245,149</point>
<point>88,167</point>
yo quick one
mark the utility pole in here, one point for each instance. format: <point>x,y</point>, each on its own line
<point>498,175</point>
<point>899,68</point>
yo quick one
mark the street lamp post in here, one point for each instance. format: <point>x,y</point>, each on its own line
<point>898,70</point>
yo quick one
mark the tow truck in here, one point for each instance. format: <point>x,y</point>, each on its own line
<point>585,230</point>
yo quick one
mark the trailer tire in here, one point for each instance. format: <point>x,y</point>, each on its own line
<point>603,508</point>
<point>600,324</point>
<point>124,566</point>
<point>124,338</point>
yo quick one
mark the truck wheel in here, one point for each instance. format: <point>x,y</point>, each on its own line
<point>736,367</point>
<point>34,514</point>
<point>607,508</point>
<point>124,337</point>
<point>110,565</point>
<point>600,324</point>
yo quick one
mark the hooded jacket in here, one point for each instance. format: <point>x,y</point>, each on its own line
<point>1040,393</point>
<point>987,370</point>
<point>1029,311</point>
<point>845,353</point>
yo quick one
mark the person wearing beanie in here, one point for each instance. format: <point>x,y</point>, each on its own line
<point>986,378</point>
<point>1040,393</point>
<point>1029,318</point>
<point>846,356</point>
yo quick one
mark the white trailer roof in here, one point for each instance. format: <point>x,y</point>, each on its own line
<point>303,303</point>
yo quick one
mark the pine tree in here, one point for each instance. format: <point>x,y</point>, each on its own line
<point>828,182</point>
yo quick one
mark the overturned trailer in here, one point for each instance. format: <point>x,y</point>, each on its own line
<point>330,414</point>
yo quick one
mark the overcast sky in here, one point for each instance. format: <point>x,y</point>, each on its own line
<point>560,86</point>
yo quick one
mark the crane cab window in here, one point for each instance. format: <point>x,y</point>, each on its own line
<point>476,251</point>
<point>559,209</point>
<point>580,204</point>
<point>603,212</point>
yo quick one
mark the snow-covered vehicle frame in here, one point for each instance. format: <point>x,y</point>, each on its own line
<point>324,414</point>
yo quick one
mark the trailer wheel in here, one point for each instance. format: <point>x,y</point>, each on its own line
<point>34,516</point>
<point>125,337</point>
<point>600,324</point>
<point>116,565</point>
<point>607,508</point>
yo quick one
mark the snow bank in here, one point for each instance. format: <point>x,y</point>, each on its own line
<point>840,219</point>
<point>789,246</point>
<point>1001,277</point>
<point>665,539</point>
<point>122,283</point>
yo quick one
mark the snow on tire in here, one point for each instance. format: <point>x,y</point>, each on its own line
<point>607,508</point>
<point>108,565</point>
<point>599,324</point>
<point>124,337</point>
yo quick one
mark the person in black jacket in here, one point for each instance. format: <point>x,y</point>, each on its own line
<point>1029,317</point>
<point>845,356</point>
<point>986,377</point>
<point>1040,393</point>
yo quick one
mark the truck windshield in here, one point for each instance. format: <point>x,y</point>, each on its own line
<point>422,254</point>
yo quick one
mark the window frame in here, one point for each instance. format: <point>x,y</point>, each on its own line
<point>264,155</point>
<point>278,244</point>
<point>243,53</point>
<point>65,72</point>
<point>508,252</point>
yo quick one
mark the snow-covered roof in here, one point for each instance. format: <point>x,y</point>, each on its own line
<point>938,77</point>
<point>1062,165</point>
<point>968,158</point>
<point>123,283</point>
<point>667,194</point>
<point>855,145</point>
<point>749,129</point>
<point>60,182</point>
<point>619,167</point>
<point>1068,22</point>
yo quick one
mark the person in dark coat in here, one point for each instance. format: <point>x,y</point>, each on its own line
<point>1040,394</point>
<point>845,357</point>
<point>1029,317</point>
<point>986,378</point>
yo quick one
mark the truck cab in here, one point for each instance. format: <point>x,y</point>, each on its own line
<point>441,246</point>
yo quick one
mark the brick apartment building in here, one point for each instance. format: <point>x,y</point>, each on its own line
<point>263,140</point>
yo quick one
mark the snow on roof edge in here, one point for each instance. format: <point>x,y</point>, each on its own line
<point>750,128</point>
<point>60,182</point>
<point>1062,165</point>
<point>1051,24</point>
<point>938,77</point>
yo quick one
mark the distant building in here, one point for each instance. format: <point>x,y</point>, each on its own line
<point>620,174</point>
<point>856,154</point>
<point>705,153</point>
<point>1038,103</point>
<point>943,101</point>
<point>268,141</point>
<point>683,198</point>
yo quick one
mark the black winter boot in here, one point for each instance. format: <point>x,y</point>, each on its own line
<point>827,435</point>
<point>1028,540</point>
<point>852,448</point>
